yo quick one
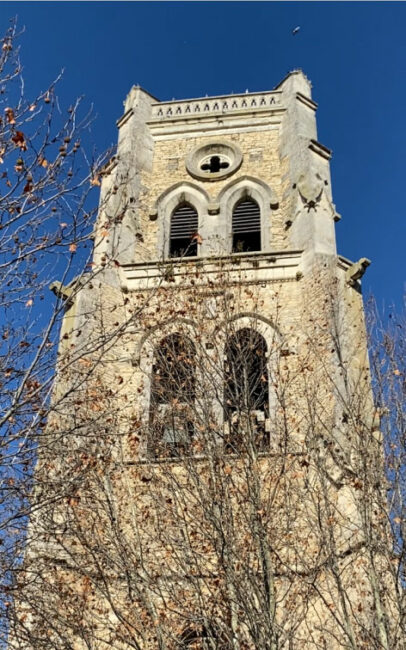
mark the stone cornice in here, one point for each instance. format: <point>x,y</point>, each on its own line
<point>306,101</point>
<point>124,118</point>
<point>252,268</point>
<point>320,149</point>
<point>218,105</point>
<point>344,262</point>
<point>217,124</point>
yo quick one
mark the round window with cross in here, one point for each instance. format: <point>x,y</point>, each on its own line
<point>214,160</point>
<point>214,164</point>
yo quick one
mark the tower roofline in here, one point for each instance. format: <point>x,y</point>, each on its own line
<point>138,87</point>
<point>297,71</point>
<point>200,99</point>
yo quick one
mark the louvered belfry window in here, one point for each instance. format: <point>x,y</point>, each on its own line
<point>183,234</point>
<point>246,226</point>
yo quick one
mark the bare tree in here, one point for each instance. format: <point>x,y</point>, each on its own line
<point>48,200</point>
<point>228,488</point>
<point>206,476</point>
<point>387,357</point>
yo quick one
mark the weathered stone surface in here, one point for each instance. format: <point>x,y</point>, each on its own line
<point>296,292</point>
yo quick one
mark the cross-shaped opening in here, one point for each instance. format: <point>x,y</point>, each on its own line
<point>214,165</point>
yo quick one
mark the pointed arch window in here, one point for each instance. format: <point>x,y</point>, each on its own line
<point>183,237</point>
<point>202,638</point>
<point>173,390</point>
<point>246,391</point>
<point>246,226</point>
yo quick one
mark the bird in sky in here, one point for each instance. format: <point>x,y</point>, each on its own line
<point>295,30</point>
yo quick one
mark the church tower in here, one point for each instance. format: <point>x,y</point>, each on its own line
<point>224,203</point>
<point>209,154</point>
<point>225,407</point>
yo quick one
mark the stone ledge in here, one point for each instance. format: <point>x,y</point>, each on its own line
<point>252,268</point>
<point>238,122</point>
<point>124,118</point>
<point>306,101</point>
<point>220,104</point>
<point>320,149</point>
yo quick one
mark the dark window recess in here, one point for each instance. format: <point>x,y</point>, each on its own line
<point>246,393</point>
<point>172,397</point>
<point>246,227</point>
<point>201,637</point>
<point>214,165</point>
<point>183,235</point>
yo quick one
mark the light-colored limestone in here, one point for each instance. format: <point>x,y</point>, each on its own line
<point>295,291</point>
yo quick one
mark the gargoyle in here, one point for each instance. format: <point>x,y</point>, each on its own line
<point>62,292</point>
<point>356,271</point>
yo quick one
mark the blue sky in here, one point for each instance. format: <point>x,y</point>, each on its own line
<point>353,52</point>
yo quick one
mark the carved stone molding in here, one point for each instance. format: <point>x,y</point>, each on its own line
<point>214,160</point>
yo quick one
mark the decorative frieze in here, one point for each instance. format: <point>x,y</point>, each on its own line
<point>218,105</point>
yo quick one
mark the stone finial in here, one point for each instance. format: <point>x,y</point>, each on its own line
<point>297,81</point>
<point>356,271</point>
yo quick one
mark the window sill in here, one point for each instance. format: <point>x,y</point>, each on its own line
<point>198,458</point>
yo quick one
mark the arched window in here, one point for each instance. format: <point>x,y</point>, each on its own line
<point>183,232</point>
<point>202,637</point>
<point>246,226</point>
<point>246,391</point>
<point>173,386</point>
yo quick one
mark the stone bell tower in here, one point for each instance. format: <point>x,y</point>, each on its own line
<point>210,152</point>
<point>236,185</point>
<point>220,503</point>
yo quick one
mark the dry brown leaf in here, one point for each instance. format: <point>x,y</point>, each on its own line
<point>85,362</point>
<point>18,138</point>
<point>72,248</point>
<point>10,115</point>
<point>197,238</point>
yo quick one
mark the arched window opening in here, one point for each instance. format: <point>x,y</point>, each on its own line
<point>202,637</point>
<point>246,392</point>
<point>173,387</point>
<point>246,226</point>
<point>183,232</point>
